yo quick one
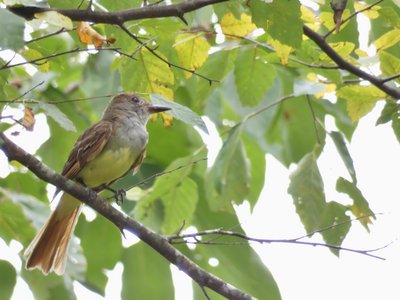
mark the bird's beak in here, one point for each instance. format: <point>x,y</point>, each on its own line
<point>156,108</point>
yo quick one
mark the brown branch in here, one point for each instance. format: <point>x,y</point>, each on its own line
<point>122,221</point>
<point>181,239</point>
<point>345,65</point>
<point>118,17</point>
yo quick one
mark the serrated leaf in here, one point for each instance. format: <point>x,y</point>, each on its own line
<point>240,27</point>
<point>390,64</point>
<point>8,279</point>
<point>148,74</point>
<point>360,99</point>
<point>140,260</point>
<point>388,39</point>
<point>335,218</point>
<point>55,18</point>
<point>307,190</point>
<point>360,207</point>
<point>192,50</point>
<point>253,76</point>
<point>180,112</point>
<point>12,27</point>
<point>344,153</point>
<point>180,205</point>
<point>57,115</point>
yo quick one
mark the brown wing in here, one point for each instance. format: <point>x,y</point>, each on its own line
<point>87,147</point>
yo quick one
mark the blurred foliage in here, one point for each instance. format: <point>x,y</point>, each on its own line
<point>239,84</point>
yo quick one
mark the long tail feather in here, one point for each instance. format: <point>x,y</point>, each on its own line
<point>49,249</point>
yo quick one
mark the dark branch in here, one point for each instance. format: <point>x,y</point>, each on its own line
<point>345,65</point>
<point>118,17</point>
<point>123,222</point>
<point>182,239</point>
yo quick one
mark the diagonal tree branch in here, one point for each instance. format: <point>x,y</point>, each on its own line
<point>345,65</point>
<point>123,222</point>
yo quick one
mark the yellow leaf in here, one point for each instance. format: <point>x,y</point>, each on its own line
<point>361,53</point>
<point>329,88</point>
<point>32,54</point>
<point>28,120</point>
<point>282,50</point>
<point>342,48</point>
<point>89,36</point>
<point>371,13</point>
<point>232,26</point>
<point>388,39</point>
<point>55,18</point>
<point>192,50</point>
<point>327,19</point>
<point>360,99</point>
<point>307,14</point>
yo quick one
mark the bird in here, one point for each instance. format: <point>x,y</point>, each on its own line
<point>105,152</point>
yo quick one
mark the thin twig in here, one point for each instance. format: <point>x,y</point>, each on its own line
<point>351,16</point>
<point>391,78</point>
<point>314,119</point>
<point>296,241</point>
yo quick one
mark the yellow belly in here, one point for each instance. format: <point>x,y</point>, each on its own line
<point>108,166</point>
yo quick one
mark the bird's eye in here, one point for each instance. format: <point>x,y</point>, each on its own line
<point>135,99</point>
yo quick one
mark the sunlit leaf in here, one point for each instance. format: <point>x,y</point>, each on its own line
<point>388,39</point>
<point>192,50</point>
<point>89,36</point>
<point>360,99</point>
<point>240,27</point>
<point>371,13</point>
<point>28,120</point>
<point>390,64</point>
<point>282,50</point>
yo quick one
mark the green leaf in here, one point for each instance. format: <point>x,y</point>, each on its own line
<point>396,125</point>
<point>180,206</point>
<point>293,132</point>
<point>17,213</point>
<point>253,76</point>
<point>360,99</point>
<point>180,112</point>
<point>281,19</point>
<point>96,235</point>
<point>238,265</point>
<point>360,207</point>
<point>12,27</point>
<point>55,18</point>
<point>228,179</point>
<point>8,279</point>
<point>390,64</point>
<point>337,223</point>
<point>388,39</point>
<point>146,274</point>
<point>257,169</point>
<point>387,113</point>
<point>307,189</point>
<point>344,153</point>
<point>57,115</point>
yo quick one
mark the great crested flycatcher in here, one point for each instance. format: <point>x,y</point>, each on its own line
<point>105,152</point>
